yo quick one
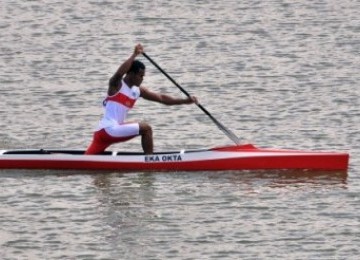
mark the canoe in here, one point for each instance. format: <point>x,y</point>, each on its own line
<point>236,157</point>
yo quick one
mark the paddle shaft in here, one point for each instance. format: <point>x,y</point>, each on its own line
<point>229,133</point>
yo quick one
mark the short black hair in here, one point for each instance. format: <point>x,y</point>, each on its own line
<point>136,66</point>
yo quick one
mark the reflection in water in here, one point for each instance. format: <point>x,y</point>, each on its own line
<point>274,178</point>
<point>135,206</point>
<point>281,178</point>
<point>126,203</point>
<point>106,181</point>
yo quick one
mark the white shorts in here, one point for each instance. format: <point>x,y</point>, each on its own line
<point>124,130</point>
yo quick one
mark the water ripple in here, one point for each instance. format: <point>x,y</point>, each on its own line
<point>286,78</point>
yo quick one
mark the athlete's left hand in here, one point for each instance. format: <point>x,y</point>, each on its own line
<point>193,99</point>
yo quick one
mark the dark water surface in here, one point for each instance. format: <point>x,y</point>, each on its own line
<point>278,73</point>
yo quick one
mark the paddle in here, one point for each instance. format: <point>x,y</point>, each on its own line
<point>226,131</point>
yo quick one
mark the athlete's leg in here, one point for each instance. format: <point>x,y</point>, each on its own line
<point>146,138</point>
<point>124,130</point>
<point>130,130</point>
<point>98,145</point>
<point>120,133</point>
<point>111,135</point>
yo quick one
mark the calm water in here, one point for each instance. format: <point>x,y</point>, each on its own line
<point>278,73</point>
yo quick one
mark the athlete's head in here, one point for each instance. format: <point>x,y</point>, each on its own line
<point>136,66</point>
<point>137,72</point>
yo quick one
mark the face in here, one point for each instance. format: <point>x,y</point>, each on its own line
<point>139,77</point>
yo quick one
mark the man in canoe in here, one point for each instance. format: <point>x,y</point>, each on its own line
<point>124,89</point>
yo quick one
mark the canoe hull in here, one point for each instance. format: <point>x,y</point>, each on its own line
<point>245,157</point>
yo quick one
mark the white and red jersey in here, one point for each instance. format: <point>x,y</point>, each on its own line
<point>118,105</point>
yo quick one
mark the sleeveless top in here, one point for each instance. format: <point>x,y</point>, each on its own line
<point>117,106</point>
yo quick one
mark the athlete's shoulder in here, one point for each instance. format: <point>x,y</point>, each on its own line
<point>113,89</point>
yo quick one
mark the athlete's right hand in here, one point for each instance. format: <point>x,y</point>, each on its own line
<point>138,49</point>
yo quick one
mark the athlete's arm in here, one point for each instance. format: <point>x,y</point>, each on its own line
<point>115,80</point>
<point>165,99</point>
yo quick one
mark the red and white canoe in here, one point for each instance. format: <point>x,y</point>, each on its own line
<point>237,157</point>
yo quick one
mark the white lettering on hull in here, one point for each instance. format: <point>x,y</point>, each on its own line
<point>163,158</point>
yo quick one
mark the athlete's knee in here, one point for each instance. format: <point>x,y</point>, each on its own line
<point>145,128</point>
